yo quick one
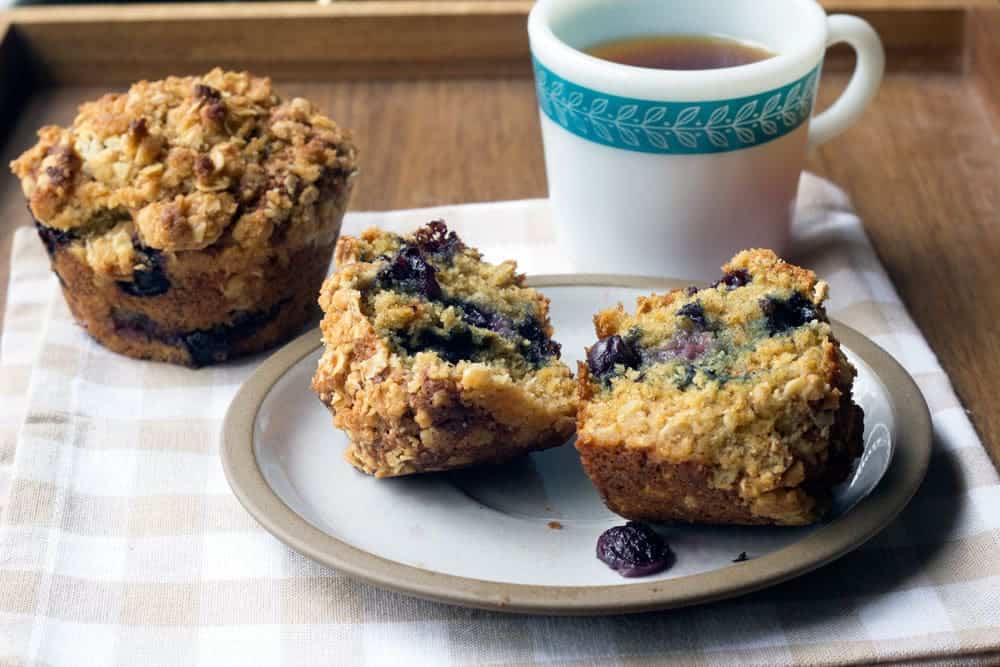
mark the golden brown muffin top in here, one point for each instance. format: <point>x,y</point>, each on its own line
<point>187,159</point>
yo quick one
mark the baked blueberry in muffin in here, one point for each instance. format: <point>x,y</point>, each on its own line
<point>191,220</point>
<point>435,359</point>
<point>728,404</point>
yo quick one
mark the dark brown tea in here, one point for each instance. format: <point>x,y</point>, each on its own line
<point>679,52</point>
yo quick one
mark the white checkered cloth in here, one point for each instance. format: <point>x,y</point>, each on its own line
<point>121,543</point>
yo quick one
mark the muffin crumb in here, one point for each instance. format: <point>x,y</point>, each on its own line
<point>436,360</point>
<point>727,404</point>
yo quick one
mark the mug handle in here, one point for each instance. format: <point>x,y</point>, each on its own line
<point>863,84</point>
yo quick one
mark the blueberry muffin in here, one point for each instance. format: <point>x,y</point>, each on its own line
<point>435,359</point>
<point>729,404</point>
<point>191,220</point>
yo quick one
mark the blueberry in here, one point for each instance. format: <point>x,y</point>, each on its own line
<point>410,271</point>
<point>151,281</point>
<point>247,323</point>
<point>691,290</point>
<point>145,283</point>
<point>209,346</point>
<point>53,238</point>
<point>540,347</point>
<point>634,550</point>
<point>785,314</point>
<point>434,238</point>
<point>690,346</point>
<point>695,312</point>
<point>453,347</point>
<point>608,352</point>
<point>206,92</point>
<point>477,316</point>
<point>125,321</point>
<point>734,279</point>
<point>686,345</point>
<point>206,347</point>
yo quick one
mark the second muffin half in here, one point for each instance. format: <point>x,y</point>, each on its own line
<point>191,220</point>
<point>729,404</point>
<point>435,359</point>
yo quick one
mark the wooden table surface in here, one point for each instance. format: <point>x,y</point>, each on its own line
<point>922,168</point>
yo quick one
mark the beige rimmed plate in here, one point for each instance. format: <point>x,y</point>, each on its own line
<point>521,537</point>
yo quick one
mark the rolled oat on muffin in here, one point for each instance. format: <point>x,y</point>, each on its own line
<point>191,220</point>
<point>729,404</point>
<point>435,359</point>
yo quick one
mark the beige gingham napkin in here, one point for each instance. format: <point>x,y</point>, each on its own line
<point>27,303</point>
<point>121,543</point>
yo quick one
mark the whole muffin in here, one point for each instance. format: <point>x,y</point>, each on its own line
<point>435,359</point>
<point>729,404</point>
<point>191,220</point>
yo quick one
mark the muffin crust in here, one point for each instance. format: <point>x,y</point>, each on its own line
<point>186,202</point>
<point>729,404</point>
<point>436,360</point>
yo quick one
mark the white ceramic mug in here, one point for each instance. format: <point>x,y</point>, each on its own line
<point>670,172</point>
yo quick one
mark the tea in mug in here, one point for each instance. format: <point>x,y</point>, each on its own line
<point>680,52</point>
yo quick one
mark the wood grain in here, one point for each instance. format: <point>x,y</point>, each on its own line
<point>984,58</point>
<point>976,386</point>
<point>360,40</point>
<point>922,171</point>
<point>930,40</point>
<point>921,168</point>
<point>902,5</point>
<point>365,40</point>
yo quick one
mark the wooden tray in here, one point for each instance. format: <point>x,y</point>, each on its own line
<point>440,98</point>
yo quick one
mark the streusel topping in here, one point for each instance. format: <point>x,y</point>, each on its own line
<point>186,163</point>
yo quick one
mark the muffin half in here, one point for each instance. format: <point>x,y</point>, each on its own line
<point>729,404</point>
<point>435,359</point>
<point>191,220</point>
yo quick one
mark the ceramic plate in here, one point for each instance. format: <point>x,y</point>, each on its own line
<point>521,537</point>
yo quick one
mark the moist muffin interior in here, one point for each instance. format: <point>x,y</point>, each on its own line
<point>743,377</point>
<point>429,293</point>
<point>435,360</point>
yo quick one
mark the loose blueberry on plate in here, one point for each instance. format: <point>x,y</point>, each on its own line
<point>634,550</point>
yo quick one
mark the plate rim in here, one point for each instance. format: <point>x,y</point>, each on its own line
<point>827,543</point>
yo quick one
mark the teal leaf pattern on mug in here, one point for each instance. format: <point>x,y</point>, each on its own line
<point>684,128</point>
